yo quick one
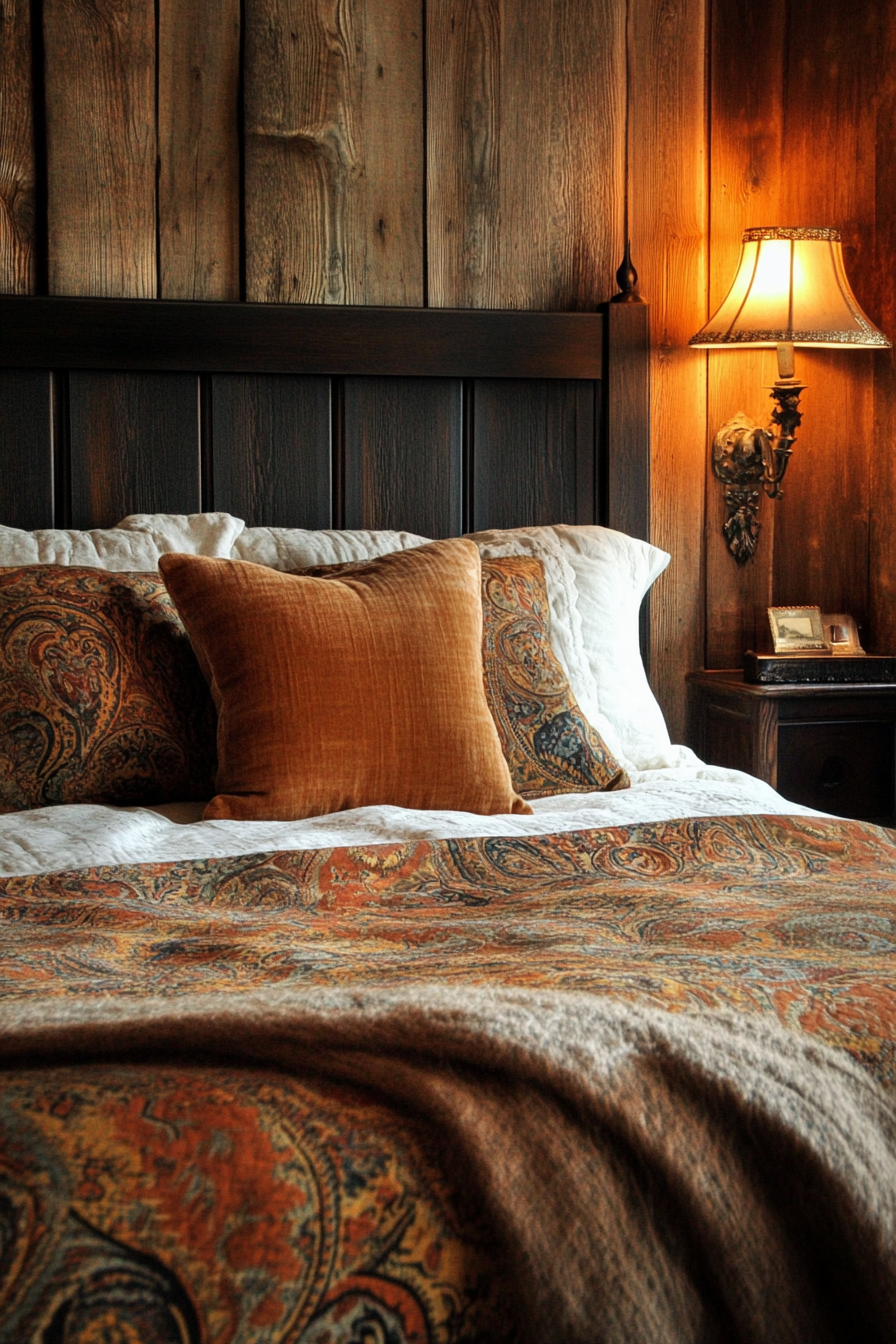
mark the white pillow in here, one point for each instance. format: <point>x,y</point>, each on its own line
<point>288,548</point>
<point>596,580</point>
<point>134,544</point>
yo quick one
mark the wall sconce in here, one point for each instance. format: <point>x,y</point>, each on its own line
<point>790,289</point>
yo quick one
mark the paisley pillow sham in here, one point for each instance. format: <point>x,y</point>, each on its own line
<point>101,697</point>
<point>547,741</point>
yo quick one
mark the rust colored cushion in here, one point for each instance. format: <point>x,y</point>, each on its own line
<point>547,741</point>
<point>342,692</point>
<point>101,697</point>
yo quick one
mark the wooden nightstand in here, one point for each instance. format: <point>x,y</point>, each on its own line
<point>830,747</point>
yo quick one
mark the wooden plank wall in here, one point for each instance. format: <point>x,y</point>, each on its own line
<point>493,153</point>
<point>808,143</point>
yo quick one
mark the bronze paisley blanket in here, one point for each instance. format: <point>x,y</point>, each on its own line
<point>434,1092</point>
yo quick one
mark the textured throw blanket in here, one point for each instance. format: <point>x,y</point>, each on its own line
<point>641,1174</point>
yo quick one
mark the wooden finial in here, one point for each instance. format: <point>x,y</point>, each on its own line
<point>627,279</point>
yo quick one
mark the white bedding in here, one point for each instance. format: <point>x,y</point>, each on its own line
<point>87,835</point>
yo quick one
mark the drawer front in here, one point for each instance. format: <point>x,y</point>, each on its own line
<point>845,768</point>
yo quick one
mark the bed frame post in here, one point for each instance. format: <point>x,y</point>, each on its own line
<point>626,429</point>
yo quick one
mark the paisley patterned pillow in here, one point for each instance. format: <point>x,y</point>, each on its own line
<point>547,742</point>
<point>101,697</point>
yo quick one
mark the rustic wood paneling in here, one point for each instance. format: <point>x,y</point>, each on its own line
<point>17,268</point>
<point>199,206</point>
<point>525,450</point>
<point>876,289</point>
<point>747,144</point>
<point>101,146</point>
<point>334,151</point>
<point>134,445</point>
<point>526,124</point>
<point>26,448</point>
<point>668,221</point>
<point>270,448</point>
<point>403,449</point>
<point>821,528</point>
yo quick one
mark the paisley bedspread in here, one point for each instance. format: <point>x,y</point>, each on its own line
<point>257,1098</point>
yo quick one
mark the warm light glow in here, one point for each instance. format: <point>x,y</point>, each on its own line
<point>790,285</point>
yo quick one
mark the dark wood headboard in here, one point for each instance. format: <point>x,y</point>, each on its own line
<point>439,421</point>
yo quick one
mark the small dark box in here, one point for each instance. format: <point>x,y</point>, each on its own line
<point>770,669</point>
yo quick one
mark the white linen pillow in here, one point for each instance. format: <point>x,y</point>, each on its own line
<point>134,544</point>
<point>287,548</point>
<point>596,580</point>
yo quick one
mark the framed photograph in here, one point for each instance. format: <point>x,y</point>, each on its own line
<point>842,635</point>
<point>798,630</point>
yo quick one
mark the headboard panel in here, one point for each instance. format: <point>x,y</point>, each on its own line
<point>433,420</point>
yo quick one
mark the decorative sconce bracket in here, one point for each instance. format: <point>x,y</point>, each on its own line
<point>746,457</point>
<point>739,454</point>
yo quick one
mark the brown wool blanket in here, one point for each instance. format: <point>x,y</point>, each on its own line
<point>649,1177</point>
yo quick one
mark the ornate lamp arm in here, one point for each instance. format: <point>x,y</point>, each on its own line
<point>780,435</point>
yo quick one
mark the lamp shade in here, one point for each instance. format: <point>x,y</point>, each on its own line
<point>791,286</point>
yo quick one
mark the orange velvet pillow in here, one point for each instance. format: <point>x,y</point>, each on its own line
<point>337,693</point>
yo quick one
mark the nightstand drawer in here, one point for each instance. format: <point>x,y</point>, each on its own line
<point>843,767</point>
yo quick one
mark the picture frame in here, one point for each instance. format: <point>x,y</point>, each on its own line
<point>798,630</point>
<point>842,634</point>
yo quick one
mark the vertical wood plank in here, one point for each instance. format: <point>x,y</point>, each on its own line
<point>746,174</point>
<point>26,448</point>
<point>821,527</point>
<point>334,151</point>
<point>134,445</point>
<point>526,124</point>
<point>403,451</point>
<point>668,223</point>
<point>101,146</point>
<point>270,438</point>
<point>525,451</point>
<point>199,209</point>
<point>876,289</point>
<point>17,268</point>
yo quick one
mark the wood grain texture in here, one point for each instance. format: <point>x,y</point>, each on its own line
<point>526,130</point>
<point>525,451</point>
<point>134,445</point>
<point>403,453</point>
<point>627,410</point>
<point>877,291</point>
<point>668,216</point>
<point>270,442</point>
<point>821,528</point>
<point>101,146</point>
<point>26,448</point>
<point>17,263</point>
<point>747,118</point>
<point>199,206</point>
<point>334,151</point>
<point>277,338</point>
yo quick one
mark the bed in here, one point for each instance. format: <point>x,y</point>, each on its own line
<point>615,1067</point>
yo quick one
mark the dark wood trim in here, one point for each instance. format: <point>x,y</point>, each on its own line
<point>627,419</point>
<point>288,338</point>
